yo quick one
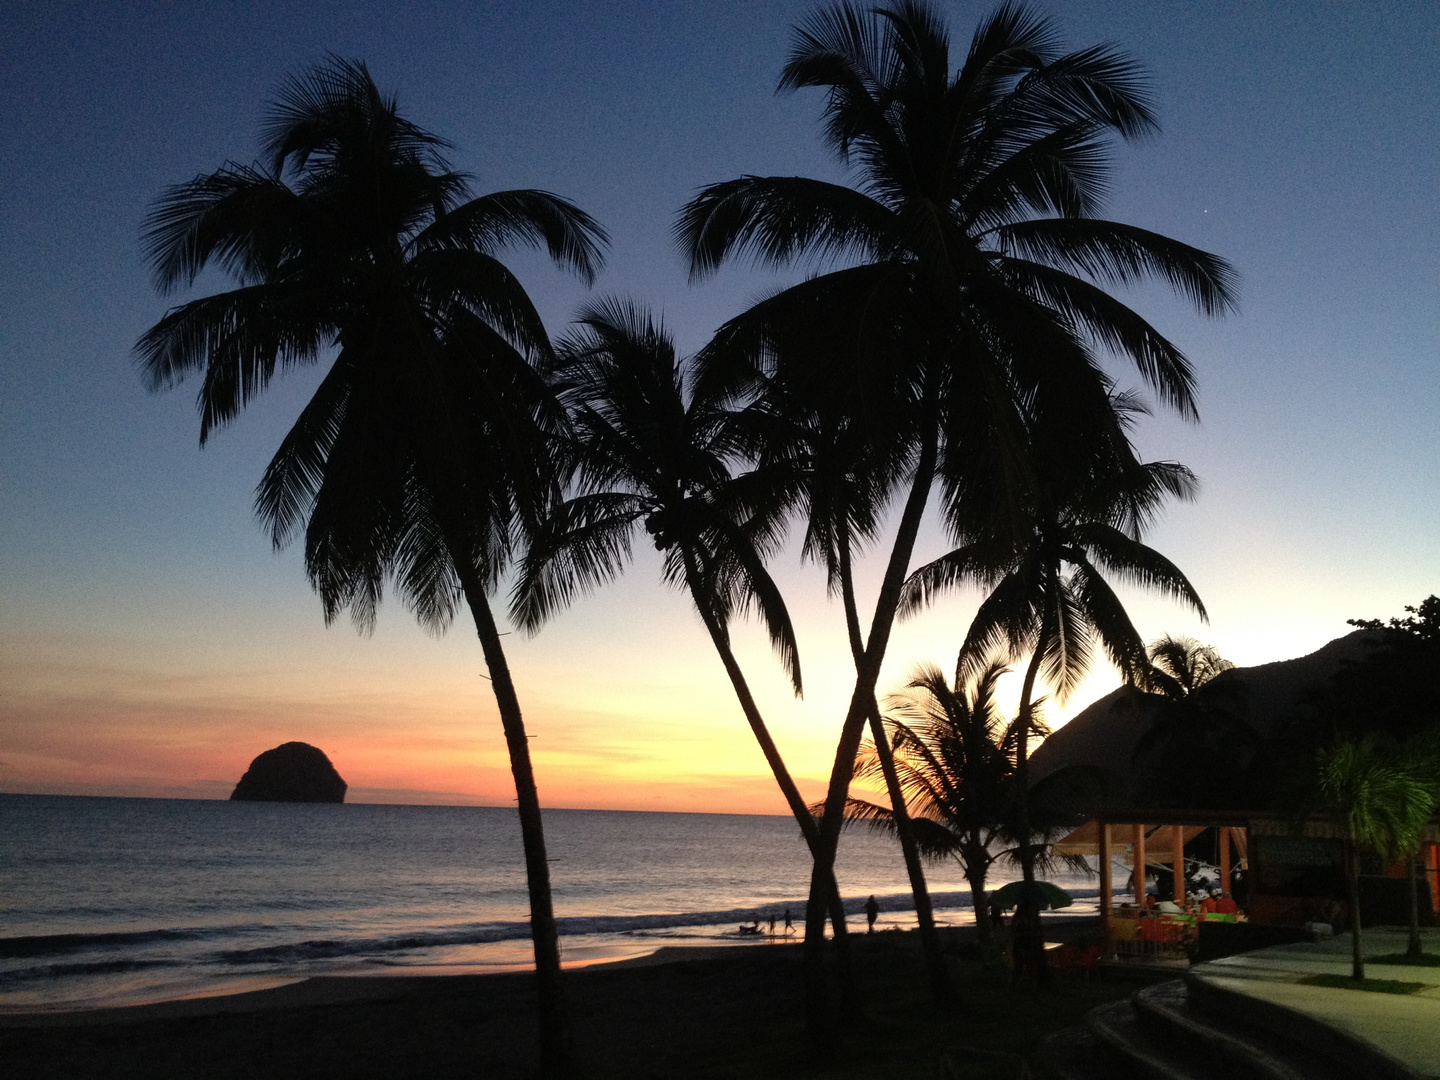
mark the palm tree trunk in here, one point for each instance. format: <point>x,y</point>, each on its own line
<point>554,1032</point>
<point>819,1016</point>
<point>942,988</point>
<point>797,804</point>
<point>1413,947</point>
<point>1029,943</point>
<point>1352,881</point>
<point>980,901</point>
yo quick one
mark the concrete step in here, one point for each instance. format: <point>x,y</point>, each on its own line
<point>1313,1047</point>
<point>1076,1054</point>
<point>1161,1034</point>
<point>1219,1046</point>
<point>1132,1051</point>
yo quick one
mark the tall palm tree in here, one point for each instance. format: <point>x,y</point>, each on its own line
<point>969,297</point>
<point>819,451</point>
<point>653,446</point>
<point>424,454</point>
<point>1048,595</point>
<point>1381,805</point>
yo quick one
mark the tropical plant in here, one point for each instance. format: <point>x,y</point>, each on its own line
<point>1179,666</point>
<point>1200,745</point>
<point>954,754</point>
<point>1419,756</point>
<point>1389,688</point>
<point>969,301</point>
<point>424,453</point>
<point>652,446</point>
<point>814,453</point>
<point>1045,569</point>
<point>1381,804</point>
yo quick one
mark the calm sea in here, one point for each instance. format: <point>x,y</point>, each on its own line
<point>118,901</point>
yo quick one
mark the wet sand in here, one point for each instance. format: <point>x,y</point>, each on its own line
<point>680,1012</point>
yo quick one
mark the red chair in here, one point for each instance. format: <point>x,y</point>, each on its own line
<point>1068,958</point>
<point>1226,906</point>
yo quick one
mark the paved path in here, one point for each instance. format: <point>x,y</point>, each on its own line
<point>1406,1027</point>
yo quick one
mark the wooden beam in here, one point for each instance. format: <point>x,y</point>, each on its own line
<point>1140,865</point>
<point>1106,888</point>
<point>1177,856</point>
<point>1224,832</point>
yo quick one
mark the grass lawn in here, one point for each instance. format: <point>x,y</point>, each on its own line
<point>1423,960</point>
<point>1375,986</point>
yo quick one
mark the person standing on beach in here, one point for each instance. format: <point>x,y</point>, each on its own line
<point>872,912</point>
<point>789,925</point>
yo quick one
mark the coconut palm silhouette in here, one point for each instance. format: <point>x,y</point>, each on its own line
<point>424,455</point>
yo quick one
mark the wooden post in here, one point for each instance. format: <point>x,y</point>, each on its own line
<point>1140,865</point>
<point>1177,856</point>
<point>1224,832</point>
<point>1432,873</point>
<point>1106,887</point>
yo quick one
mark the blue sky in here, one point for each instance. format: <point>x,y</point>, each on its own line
<point>150,640</point>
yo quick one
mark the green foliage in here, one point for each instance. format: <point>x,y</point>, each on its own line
<point>956,762</point>
<point>1406,959</point>
<point>1391,688</point>
<point>355,241</point>
<point>1381,800</point>
<point>1199,748</point>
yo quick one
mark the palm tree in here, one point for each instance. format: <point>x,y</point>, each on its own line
<point>819,454</point>
<point>1420,757</point>
<point>955,755</point>
<point>1179,666</point>
<point>954,765</point>
<point>1381,805</point>
<point>653,446</point>
<point>1199,745</point>
<point>969,298</point>
<point>1048,595</point>
<point>423,455</point>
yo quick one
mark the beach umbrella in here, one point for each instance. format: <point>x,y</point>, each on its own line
<point>1050,896</point>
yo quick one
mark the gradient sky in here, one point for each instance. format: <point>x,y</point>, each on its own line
<point>150,641</point>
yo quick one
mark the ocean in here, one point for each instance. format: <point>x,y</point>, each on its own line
<point>110,901</point>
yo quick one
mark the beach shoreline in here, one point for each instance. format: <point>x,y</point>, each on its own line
<point>693,1011</point>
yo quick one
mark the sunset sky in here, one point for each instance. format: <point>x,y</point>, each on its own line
<point>152,644</point>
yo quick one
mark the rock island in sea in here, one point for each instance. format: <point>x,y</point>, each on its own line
<point>292,772</point>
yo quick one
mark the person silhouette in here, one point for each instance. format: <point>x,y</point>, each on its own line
<point>789,926</point>
<point>872,912</point>
<point>772,926</point>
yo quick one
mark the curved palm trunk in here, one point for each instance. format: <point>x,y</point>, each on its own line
<point>798,807</point>
<point>819,1015</point>
<point>976,877</point>
<point>554,1033</point>
<point>1029,942</point>
<point>942,988</point>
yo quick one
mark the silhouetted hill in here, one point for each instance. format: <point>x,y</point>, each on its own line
<point>292,772</point>
<point>1104,735</point>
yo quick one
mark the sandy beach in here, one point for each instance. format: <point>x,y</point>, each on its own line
<point>721,1012</point>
